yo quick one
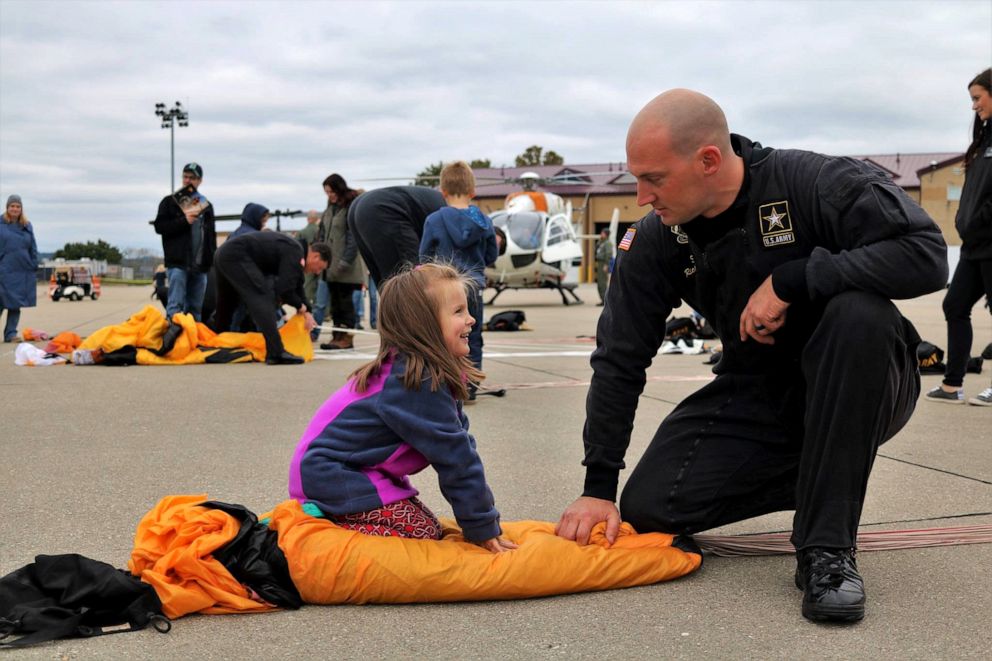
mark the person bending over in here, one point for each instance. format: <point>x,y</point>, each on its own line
<point>388,223</point>
<point>265,270</point>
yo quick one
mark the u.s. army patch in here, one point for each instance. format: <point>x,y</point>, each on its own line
<point>776,224</point>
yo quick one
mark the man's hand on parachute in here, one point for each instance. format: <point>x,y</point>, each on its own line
<point>579,518</point>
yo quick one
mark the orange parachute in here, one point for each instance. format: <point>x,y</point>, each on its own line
<point>331,565</point>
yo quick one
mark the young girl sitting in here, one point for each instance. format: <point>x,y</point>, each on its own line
<point>399,414</point>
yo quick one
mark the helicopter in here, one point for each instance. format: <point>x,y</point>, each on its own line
<point>540,242</point>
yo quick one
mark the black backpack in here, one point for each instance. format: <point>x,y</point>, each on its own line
<point>680,328</point>
<point>72,596</point>
<point>509,320</point>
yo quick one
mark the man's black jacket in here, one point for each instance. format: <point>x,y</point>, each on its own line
<point>274,255</point>
<point>821,225</point>
<point>177,236</point>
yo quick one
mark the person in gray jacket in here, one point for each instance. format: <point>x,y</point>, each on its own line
<point>346,272</point>
<point>794,258</point>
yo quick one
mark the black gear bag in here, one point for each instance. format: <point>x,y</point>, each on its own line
<point>71,596</point>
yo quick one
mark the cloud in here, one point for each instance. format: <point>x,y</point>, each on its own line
<point>282,94</point>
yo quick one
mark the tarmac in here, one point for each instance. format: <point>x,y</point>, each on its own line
<point>88,450</point>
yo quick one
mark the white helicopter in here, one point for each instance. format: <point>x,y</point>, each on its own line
<point>540,242</point>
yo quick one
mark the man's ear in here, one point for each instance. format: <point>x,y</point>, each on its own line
<point>711,158</point>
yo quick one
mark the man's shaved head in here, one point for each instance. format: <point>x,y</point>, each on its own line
<point>678,149</point>
<point>689,119</point>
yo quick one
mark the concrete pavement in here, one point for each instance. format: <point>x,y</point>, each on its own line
<point>86,451</point>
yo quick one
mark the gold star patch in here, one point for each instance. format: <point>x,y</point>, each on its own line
<point>775,224</point>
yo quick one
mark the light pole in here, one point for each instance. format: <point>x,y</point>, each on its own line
<point>169,119</point>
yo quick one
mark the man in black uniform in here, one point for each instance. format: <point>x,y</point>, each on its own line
<point>794,258</point>
<point>387,224</point>
<point>265,269</point>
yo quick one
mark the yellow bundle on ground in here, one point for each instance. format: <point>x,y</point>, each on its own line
<point>196,344</point>
<point>331,565</point>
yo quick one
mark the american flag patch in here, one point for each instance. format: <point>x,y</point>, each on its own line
<point>627,239</point>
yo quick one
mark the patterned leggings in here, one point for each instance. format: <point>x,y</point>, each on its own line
<point>404,518</point>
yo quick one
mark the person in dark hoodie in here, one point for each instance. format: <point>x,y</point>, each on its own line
<point>461,234</point>
<point>253,219</point>
<point>265,269</point>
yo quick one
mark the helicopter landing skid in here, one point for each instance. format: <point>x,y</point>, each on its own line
<point>561,289</point>
<point>571,290</point>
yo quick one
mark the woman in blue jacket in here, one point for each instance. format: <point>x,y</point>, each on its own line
<point>18,263</point>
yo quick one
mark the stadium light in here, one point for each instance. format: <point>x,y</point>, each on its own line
<point>169,119</point>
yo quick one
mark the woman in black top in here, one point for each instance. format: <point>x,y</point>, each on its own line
<point>973,275</point>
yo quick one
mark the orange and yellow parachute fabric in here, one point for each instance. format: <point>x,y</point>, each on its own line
<point>64,342</point>
<point>331,565</point>
<point>172,553</point>
<point>196,344</point>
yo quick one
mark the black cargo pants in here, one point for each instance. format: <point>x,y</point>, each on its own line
<point>750,444</point>
<point>240,279</point>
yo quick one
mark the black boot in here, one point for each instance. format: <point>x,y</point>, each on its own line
<point>284,358</point>
<point>833,590</point>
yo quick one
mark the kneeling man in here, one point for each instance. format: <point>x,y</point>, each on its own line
<point>795,258</point>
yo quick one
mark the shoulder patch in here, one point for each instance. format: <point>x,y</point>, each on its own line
<point>627,239</point>
<point>775,224</point>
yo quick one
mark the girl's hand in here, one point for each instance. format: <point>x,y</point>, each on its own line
<point>497,545</point>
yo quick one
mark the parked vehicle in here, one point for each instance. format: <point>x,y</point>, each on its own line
<point>74,283</point>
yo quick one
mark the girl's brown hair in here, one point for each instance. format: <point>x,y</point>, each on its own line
<point>409,303</point>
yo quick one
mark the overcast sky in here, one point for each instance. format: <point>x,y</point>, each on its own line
<point>282,94</point>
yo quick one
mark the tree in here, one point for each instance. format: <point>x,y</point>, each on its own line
<point>430,175</point>
<point>101,250</point>
<point>535,155</point>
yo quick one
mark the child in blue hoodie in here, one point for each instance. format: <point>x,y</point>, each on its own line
<point>460,233</point>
